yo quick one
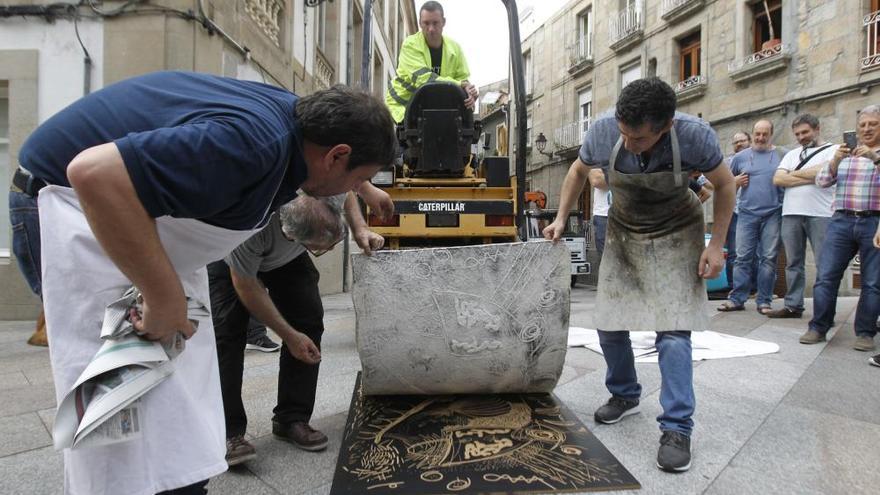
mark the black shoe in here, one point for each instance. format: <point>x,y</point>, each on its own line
<point>874,361</point>
<point>674,455</point>
<point>615,409</point>
<point>262,344</point>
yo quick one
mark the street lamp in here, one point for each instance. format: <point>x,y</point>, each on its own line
<point>541,144</point>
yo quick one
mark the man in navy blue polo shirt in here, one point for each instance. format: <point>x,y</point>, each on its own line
<point>148,181</point>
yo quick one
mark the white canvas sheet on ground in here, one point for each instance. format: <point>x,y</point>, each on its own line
<point>706,345</point>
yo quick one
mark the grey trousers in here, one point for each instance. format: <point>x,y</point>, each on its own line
<point>796,230</point>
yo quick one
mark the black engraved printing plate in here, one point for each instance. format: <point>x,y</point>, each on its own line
<point>519,443</point>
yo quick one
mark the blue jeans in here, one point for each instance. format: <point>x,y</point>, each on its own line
<point>25,221</point>
<point>600,224</point>
<point>845,237</point>
<point>750,231</point>
<point>730,245</point>
<point>796,229</point>
<point>676,375</point>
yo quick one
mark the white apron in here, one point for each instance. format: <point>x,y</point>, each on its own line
<point>184,437</point>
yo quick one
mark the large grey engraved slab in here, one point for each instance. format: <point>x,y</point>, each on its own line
<point>474,319</point>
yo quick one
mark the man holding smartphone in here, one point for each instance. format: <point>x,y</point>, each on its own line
<point>855,174</point>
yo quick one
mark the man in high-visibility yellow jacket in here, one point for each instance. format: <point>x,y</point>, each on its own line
<point>428,56</point>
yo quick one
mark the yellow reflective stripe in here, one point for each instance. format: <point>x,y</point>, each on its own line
<point>406,85</point>
<point>396,97</point>
<point>419,72</point>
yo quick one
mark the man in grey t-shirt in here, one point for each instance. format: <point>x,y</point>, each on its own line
<point>272,277</point>
<point>759,219</point>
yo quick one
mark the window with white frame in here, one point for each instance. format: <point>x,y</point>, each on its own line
<point>527,70</point>
<point>585,108</point>
<point>585,33</point>
<point>630,73</point>
<point>528,132</point>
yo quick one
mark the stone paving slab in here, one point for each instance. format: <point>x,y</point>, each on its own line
<point>36,472</point>
<point>786,337</point>
<point>724,422</point>
<point>22,433</point>
<point>802,451</point>
<point>27,398</point>
<point>290,470</point>
<point>801,421</point>
<point>754,377</point>
<point>15,331</point>
<point>843,387</point>
<point>587,393</point>
<point>13,379</point>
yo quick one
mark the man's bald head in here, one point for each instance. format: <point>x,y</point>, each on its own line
<point>762,135</point>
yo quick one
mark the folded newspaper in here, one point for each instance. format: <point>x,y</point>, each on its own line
<point>104,407</point>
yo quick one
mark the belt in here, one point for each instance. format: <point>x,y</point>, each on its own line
<point>28,184</point>
<point>860,213</point>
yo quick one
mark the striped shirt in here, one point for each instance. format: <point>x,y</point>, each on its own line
<point>858,184</point>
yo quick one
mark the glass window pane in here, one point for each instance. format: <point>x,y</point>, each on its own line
<point>574,226</point>
<point>630,74</point>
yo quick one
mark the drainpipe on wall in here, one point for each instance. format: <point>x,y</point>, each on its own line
<point>366,62</point>
<point>87,75</point>
<point>346,248</point>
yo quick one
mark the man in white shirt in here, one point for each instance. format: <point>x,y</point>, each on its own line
<point>806,209</point>
<point>600,207</point>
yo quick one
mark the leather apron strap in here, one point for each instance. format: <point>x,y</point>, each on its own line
<point>676,155</point>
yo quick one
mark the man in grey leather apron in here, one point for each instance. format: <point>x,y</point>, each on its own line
<point>652,270</point>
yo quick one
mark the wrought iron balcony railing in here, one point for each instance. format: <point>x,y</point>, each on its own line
<point>627,23</point>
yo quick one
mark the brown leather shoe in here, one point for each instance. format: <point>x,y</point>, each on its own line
<point>783,313</point>
<point>864,343</point>
<point>300,434</point>
<point>39,338</point>
<point>239,450</point>
<point>811,337</point>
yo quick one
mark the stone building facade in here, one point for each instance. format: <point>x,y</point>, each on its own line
<point>717,54</point>
<point>728,64</point>
<point>52,54</point>
<point>493,105</point>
